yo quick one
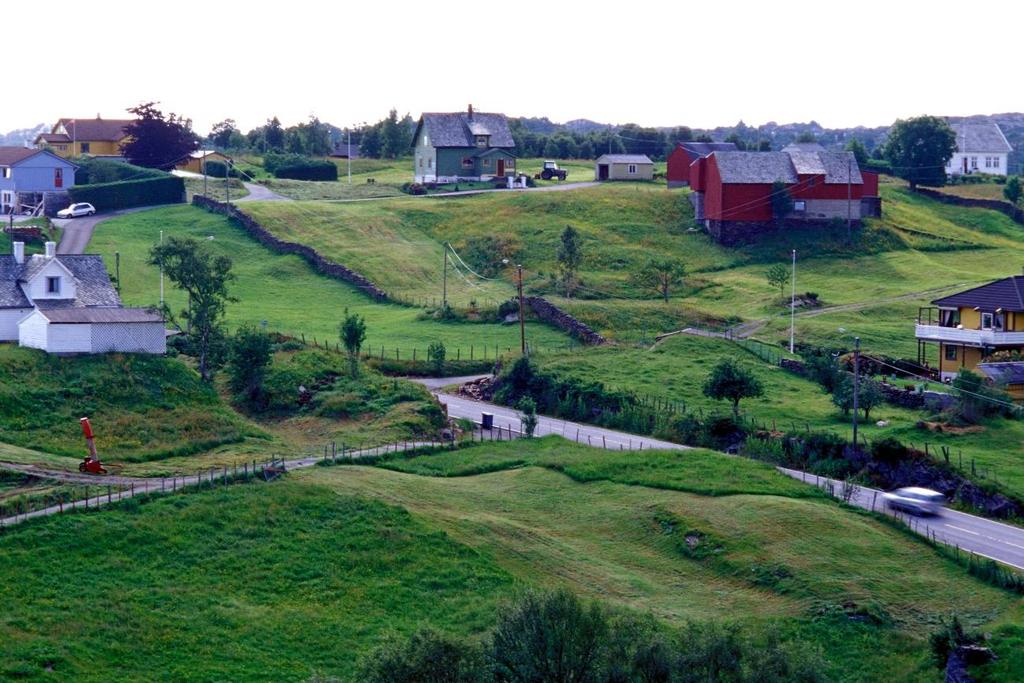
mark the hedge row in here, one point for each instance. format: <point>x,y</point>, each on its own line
<point>128,193</point>
<point>218,169</point>
<point>92,171</point>
<point>298,167</point>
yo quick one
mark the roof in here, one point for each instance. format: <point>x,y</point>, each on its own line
<point>74,316</point>
<point>1003,373</point>
<point>95,129</point>
<point>703,149</point>
<point>203,153</point>
<point>12,155</point>
<point>980,137</point>
<point>625,159</point>
<point>1007,294</point>
<point>52,137</point>
<point>837,167</point>
<point>755,167</point>
<point>92,284</point>
<point>803,147</point>
<point>457,129</point>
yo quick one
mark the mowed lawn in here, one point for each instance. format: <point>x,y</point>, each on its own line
<point>328,562</point>
<point>284,291</point>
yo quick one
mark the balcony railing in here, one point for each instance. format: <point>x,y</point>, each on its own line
<point>955,335</point>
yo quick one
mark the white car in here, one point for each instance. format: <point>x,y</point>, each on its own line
<point>76,210</point>
<point>916,500</point>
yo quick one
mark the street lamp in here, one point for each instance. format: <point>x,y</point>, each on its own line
<point>519,289</point>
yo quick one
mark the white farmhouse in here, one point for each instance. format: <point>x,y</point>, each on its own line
<point>66,304</point>
<point>980,148</point>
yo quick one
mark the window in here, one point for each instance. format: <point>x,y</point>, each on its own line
<point>949,318</point>
<point>85,148</point>
<point>986,321</point>
<point>800,206</point>
<point>999,322</point>
<point>950,353</point>
<point>631,169</point>
<point>974,163</point>
<point>995,162</point>
<point>426,140</point>
<point>988,162</point>
<point>53,285</point>
<point>7,171</point>
<point>481,140</point>
<point>467,162</point>
<point>430,163</point>
<point>487,163</point>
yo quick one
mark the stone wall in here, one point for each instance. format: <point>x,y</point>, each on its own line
<point>553,315</point>
<point>735,233</point>
<point>264,237</point>
<point>1007,208</point>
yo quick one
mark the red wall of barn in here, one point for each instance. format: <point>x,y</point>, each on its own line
<point>698,175</point>
<point>735,202</point>
<point>870,183</point>
<point>814,187</point>
<point>679,165</point>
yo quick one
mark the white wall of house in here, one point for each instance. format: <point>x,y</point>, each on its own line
<point>128,338</point>
<point>32,332</point>
<point>978,162</point>
<point>9,318</point>
<point>424,159</point>
<point>37,288</point>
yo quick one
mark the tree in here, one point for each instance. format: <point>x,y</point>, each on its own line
<point>426,656</point>
<point>870,396</point>
<point>369,144</point>
<point>249,356</point>
<point>273,136</point>
<point>528,418</point>
<point>569,258</point>
<point>842,395</point>
<point>158,141</point>
<point>661,275</point>
<point>778,276</point>
<point>353,334</point>
<point>735,139</point>
<point>919,148</point>
<point>395,135</point>
<point>860,153</point>
<point>782,202</point>
<point>316,137</point>
<point>1012,191</point>
<point>436,353</point>
<point>220,134</point>
<point>806,137</point>
<point>730,381</point>
<point>205,279</point>
<point>764,145</point>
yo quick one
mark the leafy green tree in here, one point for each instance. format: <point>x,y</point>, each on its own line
<point>1012,191</point>
<point>842,395</point>
<point>735,139</point>
<point>528,418</point>
<point>661,275</point>
<point>158,141</point>
<point>220,134</point>
<point>704,137</point>
<point>569,256</point>
<point>586,150</point>
<point>551,150</point>
<point>395,136</point>
<point>860,153</point>
<point>870,396</point>
<point>426,657</point>
<point>436,354</point>
<point>249,355</point>
<point>731,381</point>
<point>353,334</point>
<point>273,136</point>
<point>316,137</point>
<point>777,275</point>
<point>205,279</point>
<point>919,148</point>
<point>806,137</point>
<point>782,201</point>
<point>764,145</point>
<point>370,143</point>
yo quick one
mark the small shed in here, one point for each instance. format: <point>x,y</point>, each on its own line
<point>196,161</point>
<point>94,330</point>
<point>1009,376</point>
<point>623,167</point>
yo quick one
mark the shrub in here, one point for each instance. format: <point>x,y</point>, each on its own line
<point>219,169</point>
<point>414,188</point>
<point>426,656</point>
<point>92,171</point>
<point>166,189</point>
<point>889,450</point>
<point>435,355</point>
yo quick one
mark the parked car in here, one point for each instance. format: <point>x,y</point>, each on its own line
<point>76,210</point>
<point>915,499</point>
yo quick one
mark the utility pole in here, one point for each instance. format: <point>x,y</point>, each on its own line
<point>522,324</point>
<point>444,269</point>
<point>856,386</point>
<point>227,187</point>
<point>205,177</point>
<point>161,274</point>
<point>117,270</point>
<point>792,309</point>
<point>849,197</point>
<point>349,156</point>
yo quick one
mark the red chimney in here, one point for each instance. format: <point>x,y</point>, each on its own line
<point>471,112</point>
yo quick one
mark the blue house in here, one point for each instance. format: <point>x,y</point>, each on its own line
<point>27,174</point>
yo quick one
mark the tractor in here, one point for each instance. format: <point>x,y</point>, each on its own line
<point>91,464</point>
<point>551,170</point>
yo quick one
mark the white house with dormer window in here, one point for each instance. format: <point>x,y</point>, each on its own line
<point>66,304</point>
<point>980,148</point>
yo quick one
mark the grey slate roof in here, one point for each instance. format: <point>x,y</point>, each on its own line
<point>624,159</point>
<point>803,147</point>
<point>1007,294</point>
<point>101,315</point>
<point>838,166</point>
<point>1003,373</point>
<point>980,137</point>
<point>755,167</point>
<point>91,280</point>
<point>457,129</point>
<point>703,149</point>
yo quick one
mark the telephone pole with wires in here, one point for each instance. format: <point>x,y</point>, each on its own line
<point>444,270</point>
<point>856,387</point>
<point>792,309</point>
<point>522,324</point>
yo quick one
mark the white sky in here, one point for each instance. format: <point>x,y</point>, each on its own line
<point>702,64</point>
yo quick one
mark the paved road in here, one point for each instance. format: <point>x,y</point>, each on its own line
<point>76,232</point>
<point>985,537</point>
<point>260,193</point>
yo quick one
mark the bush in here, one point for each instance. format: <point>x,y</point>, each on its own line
<point>889,451</point>
<point>298,167</point>
<point>92,171</point>
<point>414,188</point>
<point>219,169</point>
<point>426,656</point>
<point>166,189</point>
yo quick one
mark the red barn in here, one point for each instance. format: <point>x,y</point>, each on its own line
<point>685,154</point>
<point>734,199</point>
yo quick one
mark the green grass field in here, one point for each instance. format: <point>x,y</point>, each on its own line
<point>328,562</point>
<point>214,189</point>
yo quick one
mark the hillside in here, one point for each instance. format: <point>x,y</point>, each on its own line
<point>331,561</point>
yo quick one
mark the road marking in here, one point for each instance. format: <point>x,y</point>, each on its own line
<point>966,531</point>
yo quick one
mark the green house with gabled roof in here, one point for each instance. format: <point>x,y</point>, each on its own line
<point>462,146</point>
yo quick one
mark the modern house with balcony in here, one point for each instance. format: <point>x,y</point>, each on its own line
<point>970,326</point>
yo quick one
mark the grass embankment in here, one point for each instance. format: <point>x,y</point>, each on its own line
<point>214,189</point>
<point>323,566</point>
<point>285,291</point>
<point>142,407</point>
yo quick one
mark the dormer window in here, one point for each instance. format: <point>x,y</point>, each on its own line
<point>481,140</point>
<point>53,285</point>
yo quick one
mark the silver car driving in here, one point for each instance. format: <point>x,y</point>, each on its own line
<point>915,499</point>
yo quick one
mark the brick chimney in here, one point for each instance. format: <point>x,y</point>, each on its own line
<point>19,252</point>
<point>471,112</point>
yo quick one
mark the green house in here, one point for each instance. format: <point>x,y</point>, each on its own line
<point>462,146</point>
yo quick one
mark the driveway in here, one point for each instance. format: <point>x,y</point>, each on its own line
<point>259,193</point>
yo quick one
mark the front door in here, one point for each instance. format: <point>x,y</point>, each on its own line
<point>58,178</point>
<point>602,172</point>
<point>501,168</point>
<point>965,165</point>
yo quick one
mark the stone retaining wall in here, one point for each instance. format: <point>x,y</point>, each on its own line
<point>1007,208</point>
<point>264,237</point>
<point>553,315</point>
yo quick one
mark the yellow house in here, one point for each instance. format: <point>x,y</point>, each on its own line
<point>196,160</point>
<point>970,326</point>
<point>76,137</point>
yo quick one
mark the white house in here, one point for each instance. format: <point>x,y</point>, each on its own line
<point>66,304</point>
<point>980,148</point>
